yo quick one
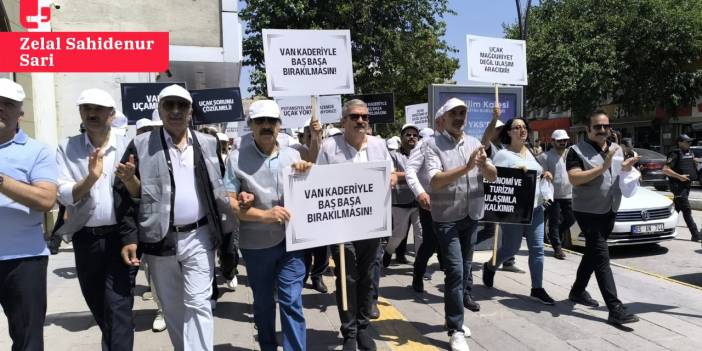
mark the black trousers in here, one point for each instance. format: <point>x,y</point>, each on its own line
<point>429,244</point>
<point>560,219</point>
<point>680,194</point>
<point>316,269</point>
<point>597,228</point>
<point>107,285</point>
<point>23,299</point>
<point>360,256</point>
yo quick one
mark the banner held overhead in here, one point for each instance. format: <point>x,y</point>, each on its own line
<point>295,67</point>
<point>217,105</point>
<point>496,60</point>
<point>296,110</point>
<point>381,107</point>
<point>139,100</point>
<point>417,115</point>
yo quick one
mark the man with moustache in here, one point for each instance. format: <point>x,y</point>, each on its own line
<point>597,190</point>
<point>181,215</point>
<point>355,146</point>
<point>87,163</point>
<point>560,213</point>
<point>257,169</point>
<point>27,190</point>
<point>457,164</point>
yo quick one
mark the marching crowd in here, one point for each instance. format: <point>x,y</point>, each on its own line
<point>173,199</point>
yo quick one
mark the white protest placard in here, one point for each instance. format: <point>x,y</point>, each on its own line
<point>236,129</point>
<point>418,115</point>
<point>496,60</point>
<point>337,203</point>
<point>296,110</point>
<point>307,62</point>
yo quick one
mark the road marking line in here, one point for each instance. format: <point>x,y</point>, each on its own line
<point>399,333</point>
<point>633,269</point>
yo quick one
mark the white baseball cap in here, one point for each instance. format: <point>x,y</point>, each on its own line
<point>143,122</point>
<point>453,103</point>
<point>332,132</point>
<point>11,90</point>
<point>439,113</point>
<point>409,125</point>
<point>499,124</point>
<point>426,132</point>
<point>222,137</point>
<point>393,143</point>
<point>120,120</point>
<point>559,134</point>
<point>264,108</point>
<point>175,90</point>
<point>95,97</point>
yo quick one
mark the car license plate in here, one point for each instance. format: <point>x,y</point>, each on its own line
<point>647,228</point>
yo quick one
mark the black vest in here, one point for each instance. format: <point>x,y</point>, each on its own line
<point>685,164</point>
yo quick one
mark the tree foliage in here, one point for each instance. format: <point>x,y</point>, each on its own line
<point>637,53</point>
<point>397,45</point>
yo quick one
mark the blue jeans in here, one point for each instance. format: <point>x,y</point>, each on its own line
<point>456,242</point>
<point>271,268</point>
<point>512,241</point>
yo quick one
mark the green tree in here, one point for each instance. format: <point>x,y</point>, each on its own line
<point>637,53</point>
<point>397,45</point>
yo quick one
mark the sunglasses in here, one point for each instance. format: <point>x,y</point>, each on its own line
<point>601,127</point>
<point>171,104</point>
<point>262,120</point>
<point>356,116</point>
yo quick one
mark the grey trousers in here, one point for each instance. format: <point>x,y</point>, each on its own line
<point>402,218</point>
<point>183,283</point>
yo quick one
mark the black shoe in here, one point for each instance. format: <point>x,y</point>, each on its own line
<point>541,295</point>
<point>349,344</point>
<point>402,259</point>
<point>488,275</point>
<point>619,315</point>
<point>375,312</point>
<point>417,284</point>
<point>365,341</point>
<point>53,244</point>
<point>583,298</point>
<point>386,259</point>
<point>558,253</point>
<point>318,284</point>
<point>470,304</point>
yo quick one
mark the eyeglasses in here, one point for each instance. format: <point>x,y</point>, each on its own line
<point>171,104</point>
<point>356,116</point>
<point>263,120</point>
<point>601,126</point>
<point>518,128</point>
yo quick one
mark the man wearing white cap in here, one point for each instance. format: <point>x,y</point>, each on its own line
<point>418,181</point>
<point>355,146</point>
<point>257,168</point>
<point>144,125</point>
<point>457,164</point>
<point>182,213</point>
<point>560,213</point>
<point>404,206</point>
<point>27,189</point>
<point>87,164</point>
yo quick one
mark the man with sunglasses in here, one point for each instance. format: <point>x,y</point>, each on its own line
<point>597,180</point>
<point>457,164</point>
<point>681,169</point>
<point>404,207</point>
<point>87,163</point>
<point>560,213</point>
<point>355,146</point>
<point>181,213</point>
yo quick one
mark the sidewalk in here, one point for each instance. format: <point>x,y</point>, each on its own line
<point>671,314</point>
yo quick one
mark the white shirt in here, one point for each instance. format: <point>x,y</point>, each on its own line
<point>101,191</point>
<point>416,173</point>
<point>187,207</point>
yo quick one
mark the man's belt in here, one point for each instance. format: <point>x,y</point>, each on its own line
<point>101,230</point>
<point>189,227</point>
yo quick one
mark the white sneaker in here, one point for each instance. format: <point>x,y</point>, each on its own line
<point>458,342</point>
<point>466,331</point>
<point>159,324</point>
<point>232,284</point>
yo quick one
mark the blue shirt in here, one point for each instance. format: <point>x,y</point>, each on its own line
<point>22,232</point>
<point>233,184</point>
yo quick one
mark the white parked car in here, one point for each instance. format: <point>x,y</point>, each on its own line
<point>645,218</point>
